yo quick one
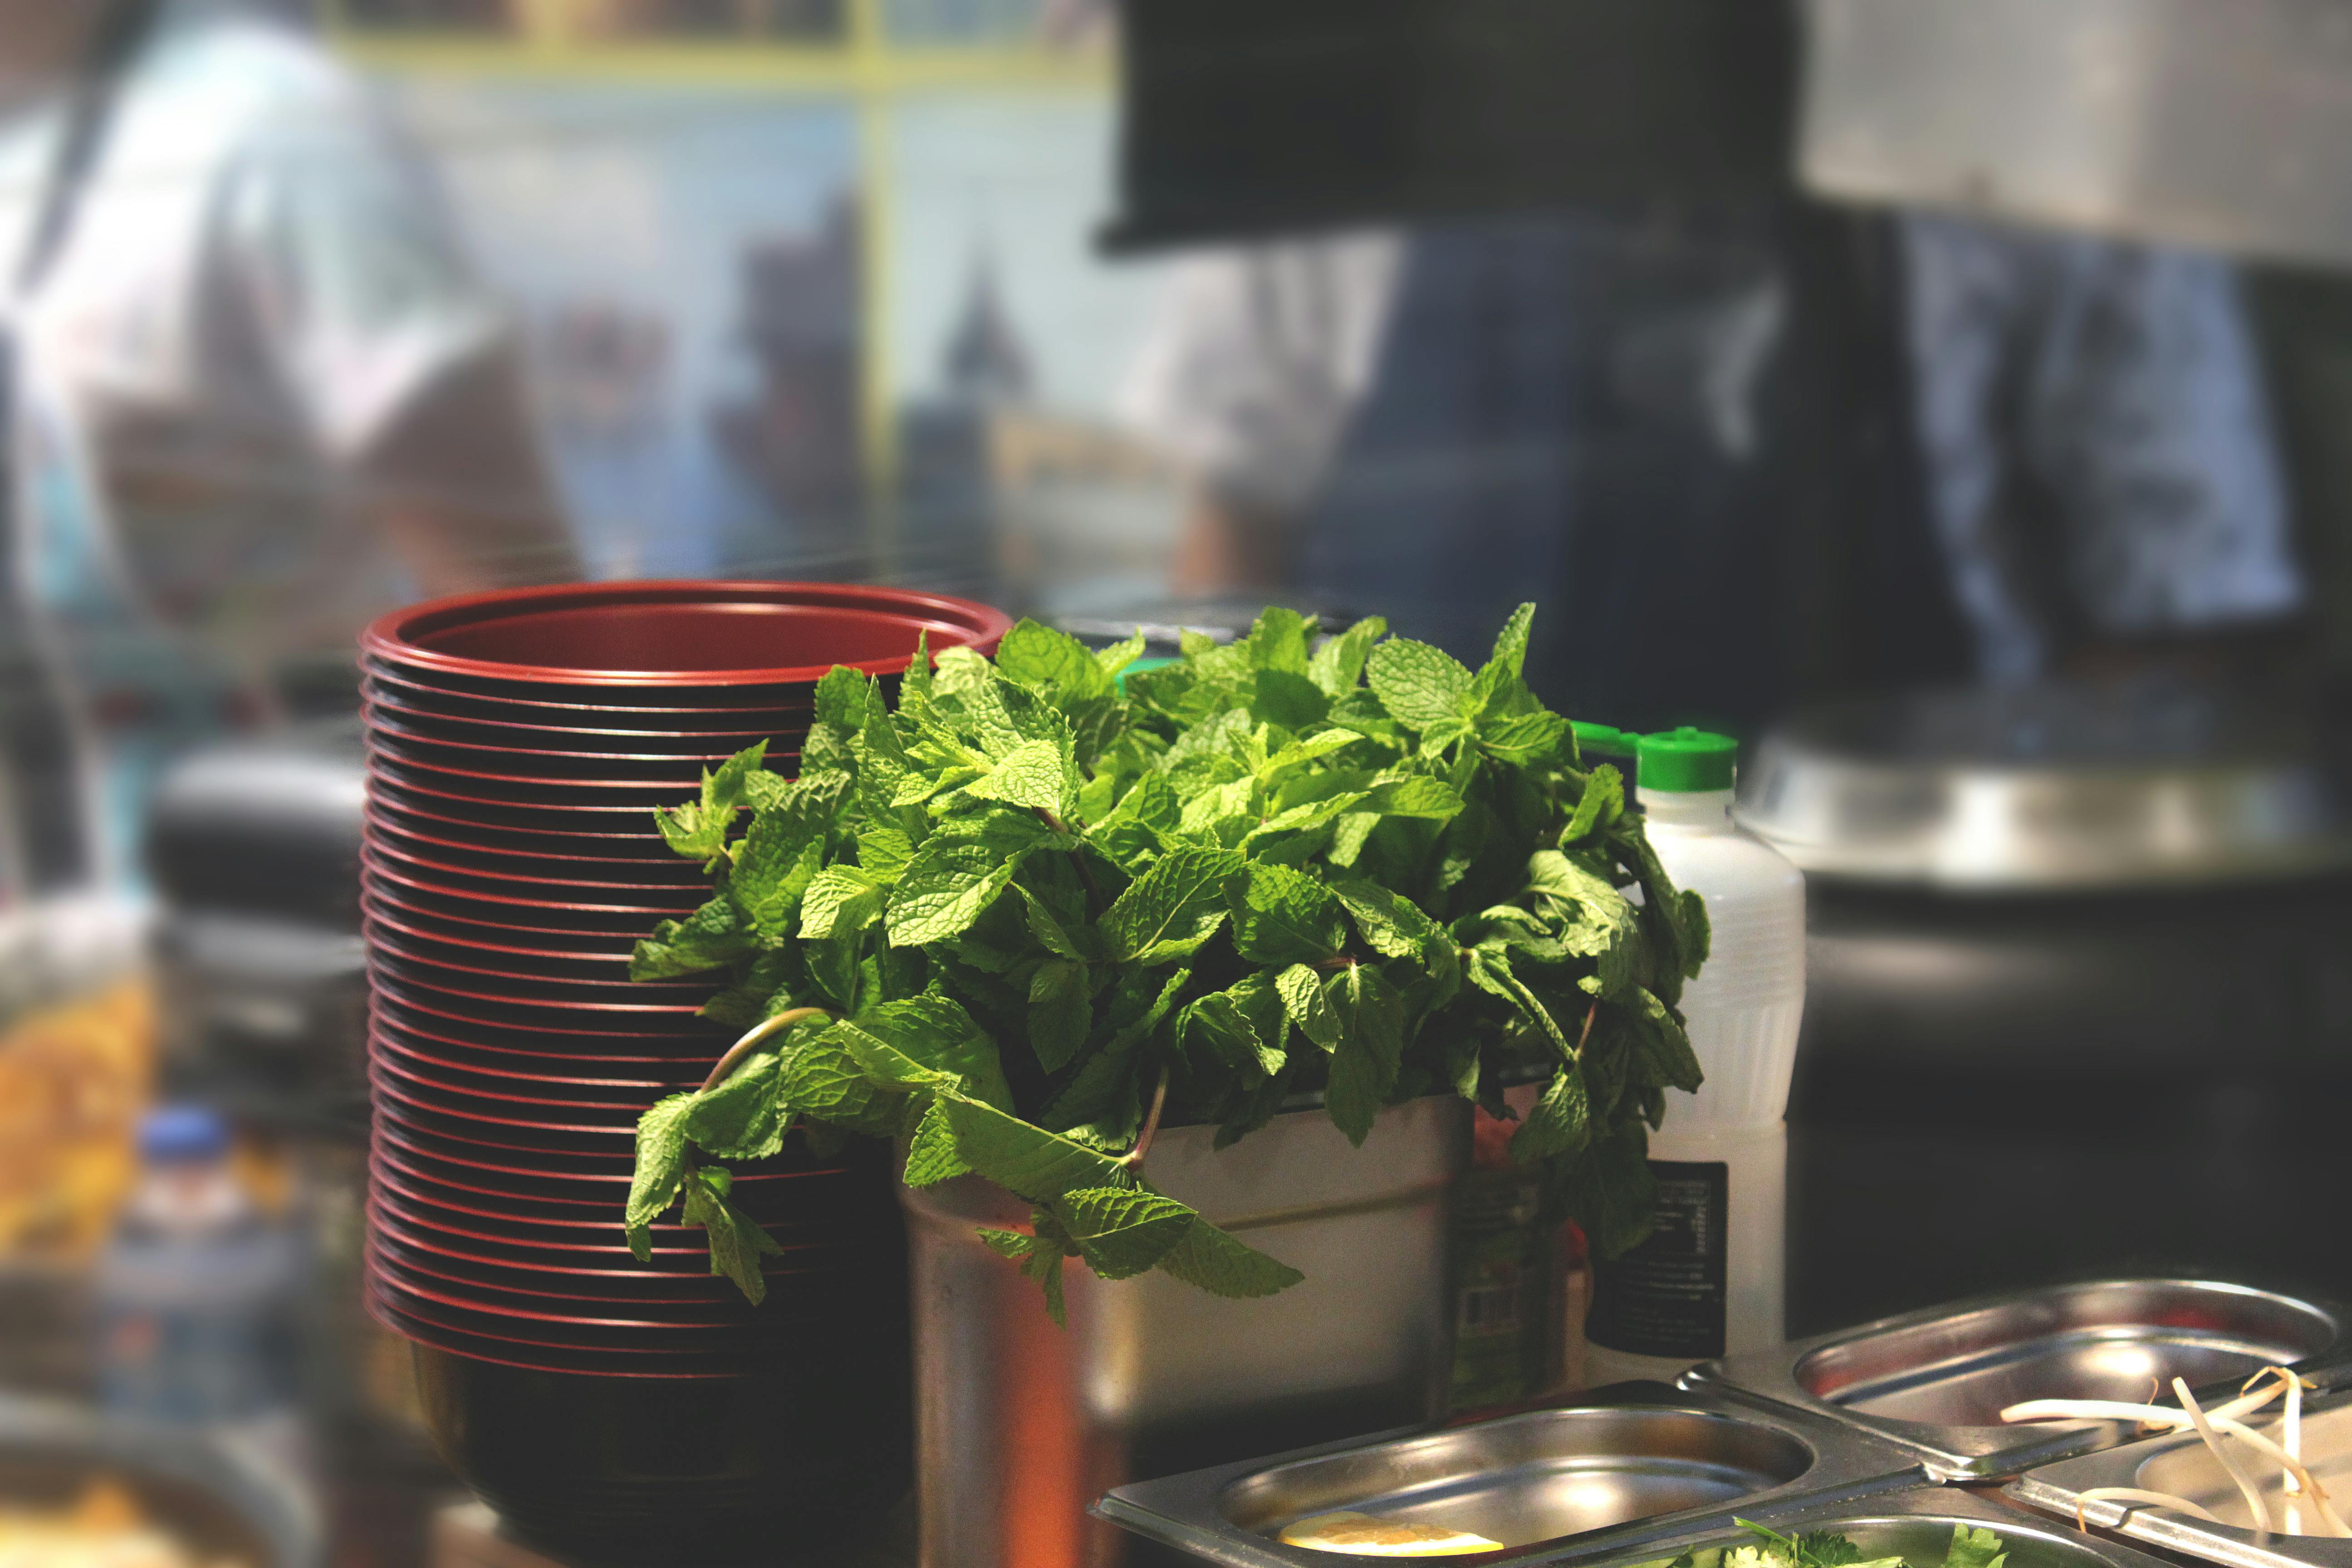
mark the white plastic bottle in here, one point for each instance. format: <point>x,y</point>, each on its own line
<point>1710,1281</point>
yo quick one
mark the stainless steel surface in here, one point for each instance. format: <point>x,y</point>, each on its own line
<point>2224,126</point>
<point>1018,1425</point>
<point>2061,787</point>
<point>1937,1381</point>
<point>1639,1463</point>
<point>2183,1467</point>
<point>1915,1525</point>
<point>222,1502</point>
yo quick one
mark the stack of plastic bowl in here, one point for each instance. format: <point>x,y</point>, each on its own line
<point>518,746</point>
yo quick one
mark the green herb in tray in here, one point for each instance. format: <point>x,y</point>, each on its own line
<point>1976,1548</point>
<point>1036,910</point>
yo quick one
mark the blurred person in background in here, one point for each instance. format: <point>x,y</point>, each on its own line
<point>256,394</point>
<point>1596,412</point>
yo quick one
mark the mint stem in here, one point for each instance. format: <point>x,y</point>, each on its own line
<point>1134,1157</point>
<point>751,1042</point>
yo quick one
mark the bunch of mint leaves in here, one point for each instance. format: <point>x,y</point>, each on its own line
<point>1035,909</point>
<point>1970,1548</point>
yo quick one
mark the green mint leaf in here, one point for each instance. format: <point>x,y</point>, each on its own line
<point>1392,925</point>
<point>1603,804</point>
<point>762,988</point>
<point>1697,933</point>
<point>1221,1023</point>
<point>1489,969</point>
<point>1012,1244</point>
<point>841,698</point>
<point>1415,796</point>
<point>946,888</point>
<point>841,901</point>
<point>824,1080</point>
<point>924,1042</point>
<point>884,853</point>
<point>1115,659</point>
<point>1293,701</point>
<point>661,1167</point>
<point>1978,1547</point>
<point>744,1118</point>
<point>1054,662</point>
<point>712,937</point>
<point>1365,1063</point>
<point>1277,641</point>
<point>1338,664</point>
<point>1035,773</point>
<point>932,1156</point>
<point>777,860</point>
<point>1421,685</point>
<point>1560,1123</point>
<point>1212,1261</point>
<point>1120,1231</point>
<point>1285,917</point>
<point>736,1243</point>
<point>1301,990</point>
<point>723,790</point>
<point>1026,1161</point>
<point>1170,910</point>
<point>1664,1046</point>
<point>1050,933</point>
<point>1510,657</point>
<point>1061,1012</point>
<point>692,832</point>
<point>1526,740</point>
<point>1349,834</point>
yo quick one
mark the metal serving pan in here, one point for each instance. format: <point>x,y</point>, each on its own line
<point>1937,1381</point>
<point>2180,1464</point>
<point>1630,1464</point>
<point>1914,1524</point>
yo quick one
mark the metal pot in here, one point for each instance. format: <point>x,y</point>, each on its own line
<point>1020,1425</point>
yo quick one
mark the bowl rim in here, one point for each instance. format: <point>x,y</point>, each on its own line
<point>393,637</point>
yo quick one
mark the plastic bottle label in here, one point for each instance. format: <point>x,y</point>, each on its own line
<point>1666,1297</point>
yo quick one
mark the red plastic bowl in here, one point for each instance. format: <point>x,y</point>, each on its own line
<point>708,636</point>
<point>445,844</point>
<point>466,928</point>
<point>468,897</point>
<point>658,1076</point>
<point>417,1018</point>
<point>545,788</point>
<point>569,821</point>
<point>431,967</point>
<point>641,847</point>
<point>588,731</point>
<point>735,707</point>
<point>629,1029</point>
<point>541,1197</point>
<point>534,1096</point>
<point>458,1261</point>
<point>597,1180</point>
<point>679,775</point>
<point>594,883</point>
<point>556,962</point>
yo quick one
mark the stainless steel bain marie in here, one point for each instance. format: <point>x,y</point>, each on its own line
<point>1628,1465</point>
<point>1936,1381</point>
<point>2180,1464</point>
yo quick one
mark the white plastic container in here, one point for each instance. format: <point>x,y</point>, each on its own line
<point>1710,1281</point>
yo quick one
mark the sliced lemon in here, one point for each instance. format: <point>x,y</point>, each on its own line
<point>1361,1535</point>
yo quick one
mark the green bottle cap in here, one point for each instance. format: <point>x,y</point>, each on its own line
<point>1686,761</point>
<point>1604,740</point>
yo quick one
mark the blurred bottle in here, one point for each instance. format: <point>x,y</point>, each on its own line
<point>1709,1281</point>
<point>198,1294</point>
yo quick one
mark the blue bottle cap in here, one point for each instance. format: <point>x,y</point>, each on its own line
<point>182,1134</point>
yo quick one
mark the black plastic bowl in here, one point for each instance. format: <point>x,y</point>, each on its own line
<point>812,1443</point>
